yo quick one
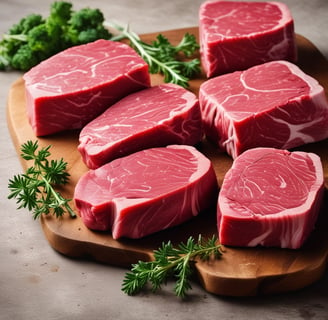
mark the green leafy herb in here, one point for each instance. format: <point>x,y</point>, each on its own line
<point>170,261</point>
<point>34,189</point>
<point>34,38</point>
<point>162,56</point>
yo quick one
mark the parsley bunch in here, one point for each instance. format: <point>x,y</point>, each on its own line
<point>170,261</point>
<point>34,189</point>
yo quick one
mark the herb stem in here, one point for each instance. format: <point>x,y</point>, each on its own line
<point>18,37</point>
<point>58,199</point>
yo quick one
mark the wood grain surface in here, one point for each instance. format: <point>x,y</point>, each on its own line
<point>241,271</point>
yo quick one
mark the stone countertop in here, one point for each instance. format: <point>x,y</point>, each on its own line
<point>38,283</point>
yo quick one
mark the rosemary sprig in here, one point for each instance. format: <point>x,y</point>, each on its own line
<point>34,189</point>
<point>161,56</point>
<point>170,261</point>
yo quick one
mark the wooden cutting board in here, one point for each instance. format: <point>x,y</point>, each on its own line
<point>241,271</point>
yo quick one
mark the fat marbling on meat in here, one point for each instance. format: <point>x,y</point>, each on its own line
<point>270,197</point>
<point>153,117</point>
<point>147,191</point>
<point>237,35</point>
<point>74,86</point>
<point>270,105</point>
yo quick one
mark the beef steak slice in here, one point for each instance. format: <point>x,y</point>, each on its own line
<point>271,105</point>
<point>147,191</point>
<point>270,197</point>
<point>74,86</point>
<point>153,117</point>
<point>237,35</point>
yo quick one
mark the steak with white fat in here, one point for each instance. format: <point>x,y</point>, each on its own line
<point>271,105</point>
<point>270,197</point>
<point>73,87</point>
<point>237,35</point>
<point>153,117</point>
<point>147,191</point>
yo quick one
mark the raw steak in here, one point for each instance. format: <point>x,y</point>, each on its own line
<point>147,191</point>
<point>76,85</point>
<point>153,117</point>
<point>238,35</point>
<point>270,197</point>
<point>270,105</point>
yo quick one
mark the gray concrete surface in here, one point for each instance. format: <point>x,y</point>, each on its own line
<point>38,283</point>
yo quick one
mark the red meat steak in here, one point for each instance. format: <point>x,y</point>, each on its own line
<point>270,197</point>
<point>237,35</point>
<point>73,87</point>
<point>271,105</point>
<point>147,191</point>
<point>153,117</point>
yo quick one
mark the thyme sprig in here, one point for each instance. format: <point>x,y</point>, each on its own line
<point>170,261</point>
<point>34,189</point>
<point>163,57</point>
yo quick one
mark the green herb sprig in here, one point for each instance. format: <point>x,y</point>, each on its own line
<point>163,57</point>
<point>171,262</point>
<point>34,189</point>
